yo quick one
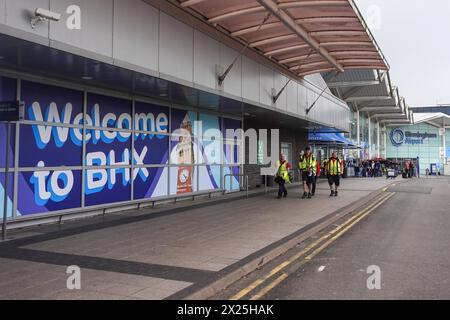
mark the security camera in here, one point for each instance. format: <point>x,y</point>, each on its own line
<point>44,15</point>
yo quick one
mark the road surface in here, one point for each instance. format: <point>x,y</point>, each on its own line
<point>399,248</point>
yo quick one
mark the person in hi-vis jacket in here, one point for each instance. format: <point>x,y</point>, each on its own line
<point>282,176</point>
<point>334,172</point>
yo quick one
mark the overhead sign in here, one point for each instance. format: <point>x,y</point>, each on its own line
<point>400,137</point>
<point>11,111</point>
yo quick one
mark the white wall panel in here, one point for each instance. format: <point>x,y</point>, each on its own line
<point>312,96</point>
<point>267,83</point>
<point>292,96</point>
<point>19,13</point>
<point>280,82</point>
<point>250,79</point>
<point>233,82</point>
<point>176,48</point>
<point>136,33</point>
<point>206,57</point>
<point>96,25</point>
<point>302,100</point>
<point>3,11</point>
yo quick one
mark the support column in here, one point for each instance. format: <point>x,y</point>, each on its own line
<point>378,141</point>
<point>370,137</point>
<point>358,131</point>
<point>385,142</point>
<point>444,144</point>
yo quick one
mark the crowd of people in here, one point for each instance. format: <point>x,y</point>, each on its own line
<point>311,169</point>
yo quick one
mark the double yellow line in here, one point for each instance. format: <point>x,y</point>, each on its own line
<point>327,239</point>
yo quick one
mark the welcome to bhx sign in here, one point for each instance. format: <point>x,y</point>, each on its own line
<point>11,111</point>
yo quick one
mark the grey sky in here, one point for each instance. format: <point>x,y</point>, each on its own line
<point>414,36</point>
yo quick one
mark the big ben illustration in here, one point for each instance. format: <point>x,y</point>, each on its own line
<point>185,155</point>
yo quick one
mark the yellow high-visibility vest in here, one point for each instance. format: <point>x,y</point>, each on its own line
<point>334,167</point>
<point>308,163</point>
<point>282,171</point>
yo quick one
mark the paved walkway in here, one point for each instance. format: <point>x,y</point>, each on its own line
<point>153,254</point>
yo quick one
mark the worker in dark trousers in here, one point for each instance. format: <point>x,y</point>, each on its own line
<point>318,172</point>
<point>282,176</point>
<point>334,172</point>
<point>308,169</point>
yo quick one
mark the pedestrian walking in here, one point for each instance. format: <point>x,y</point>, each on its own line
<point>334,172</point>
<point>282,176</point>
<point>308,169</point>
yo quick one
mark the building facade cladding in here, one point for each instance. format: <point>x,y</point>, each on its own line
<point>371,136</point>
<point>296,140</point>
<point>441,109</point>
<point>119,149</point>
<point>112,32</point>
<point>420,140</point>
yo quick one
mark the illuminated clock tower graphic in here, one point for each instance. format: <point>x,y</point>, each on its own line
<point>185,155</point>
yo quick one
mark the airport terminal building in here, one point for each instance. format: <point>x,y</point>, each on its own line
<point>119,93</point>
<point>427,141</point>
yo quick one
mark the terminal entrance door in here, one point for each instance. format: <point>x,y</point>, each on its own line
<point>286,149</point>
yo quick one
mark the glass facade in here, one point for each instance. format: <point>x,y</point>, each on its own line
<point>79,149</point>
<point>420,140</point>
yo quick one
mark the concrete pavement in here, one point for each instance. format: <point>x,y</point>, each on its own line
<point>153,255</point>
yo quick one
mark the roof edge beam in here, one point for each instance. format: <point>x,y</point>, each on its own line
<point>191,3</point>
<point>368,98</point>
<point>299,21</point>
<point>235,14</point>
<point>273,8</point>
<point>346,84</point>
<point>373,110</point>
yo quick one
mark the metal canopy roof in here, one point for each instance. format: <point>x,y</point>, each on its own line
<point>304,36</point>
<point>371,91</point>
<point>353,78</point>
<point>437,119</point>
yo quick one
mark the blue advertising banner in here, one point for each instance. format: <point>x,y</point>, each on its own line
<point>151,118</point>
<point>10,193</point>
<point>50,174</point>
<point>232,154</point>
<point>108,112</point>
<point>11,144</point>
<point>40,143</point>
<point>153,184</point>
<point>50,104</point>
<point>105,186</point>
<point>151,149</point>
<point>211,152</point>
<point>8,92</point>
<point>108,148</point>
<point>8,88</point>
<point>211,139</point>
<point>34,153</point>
<point>231,124</point>
<point>46,191</point>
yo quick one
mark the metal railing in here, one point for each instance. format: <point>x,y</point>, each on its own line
<point>246,186</point>
<point>292,171</point>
